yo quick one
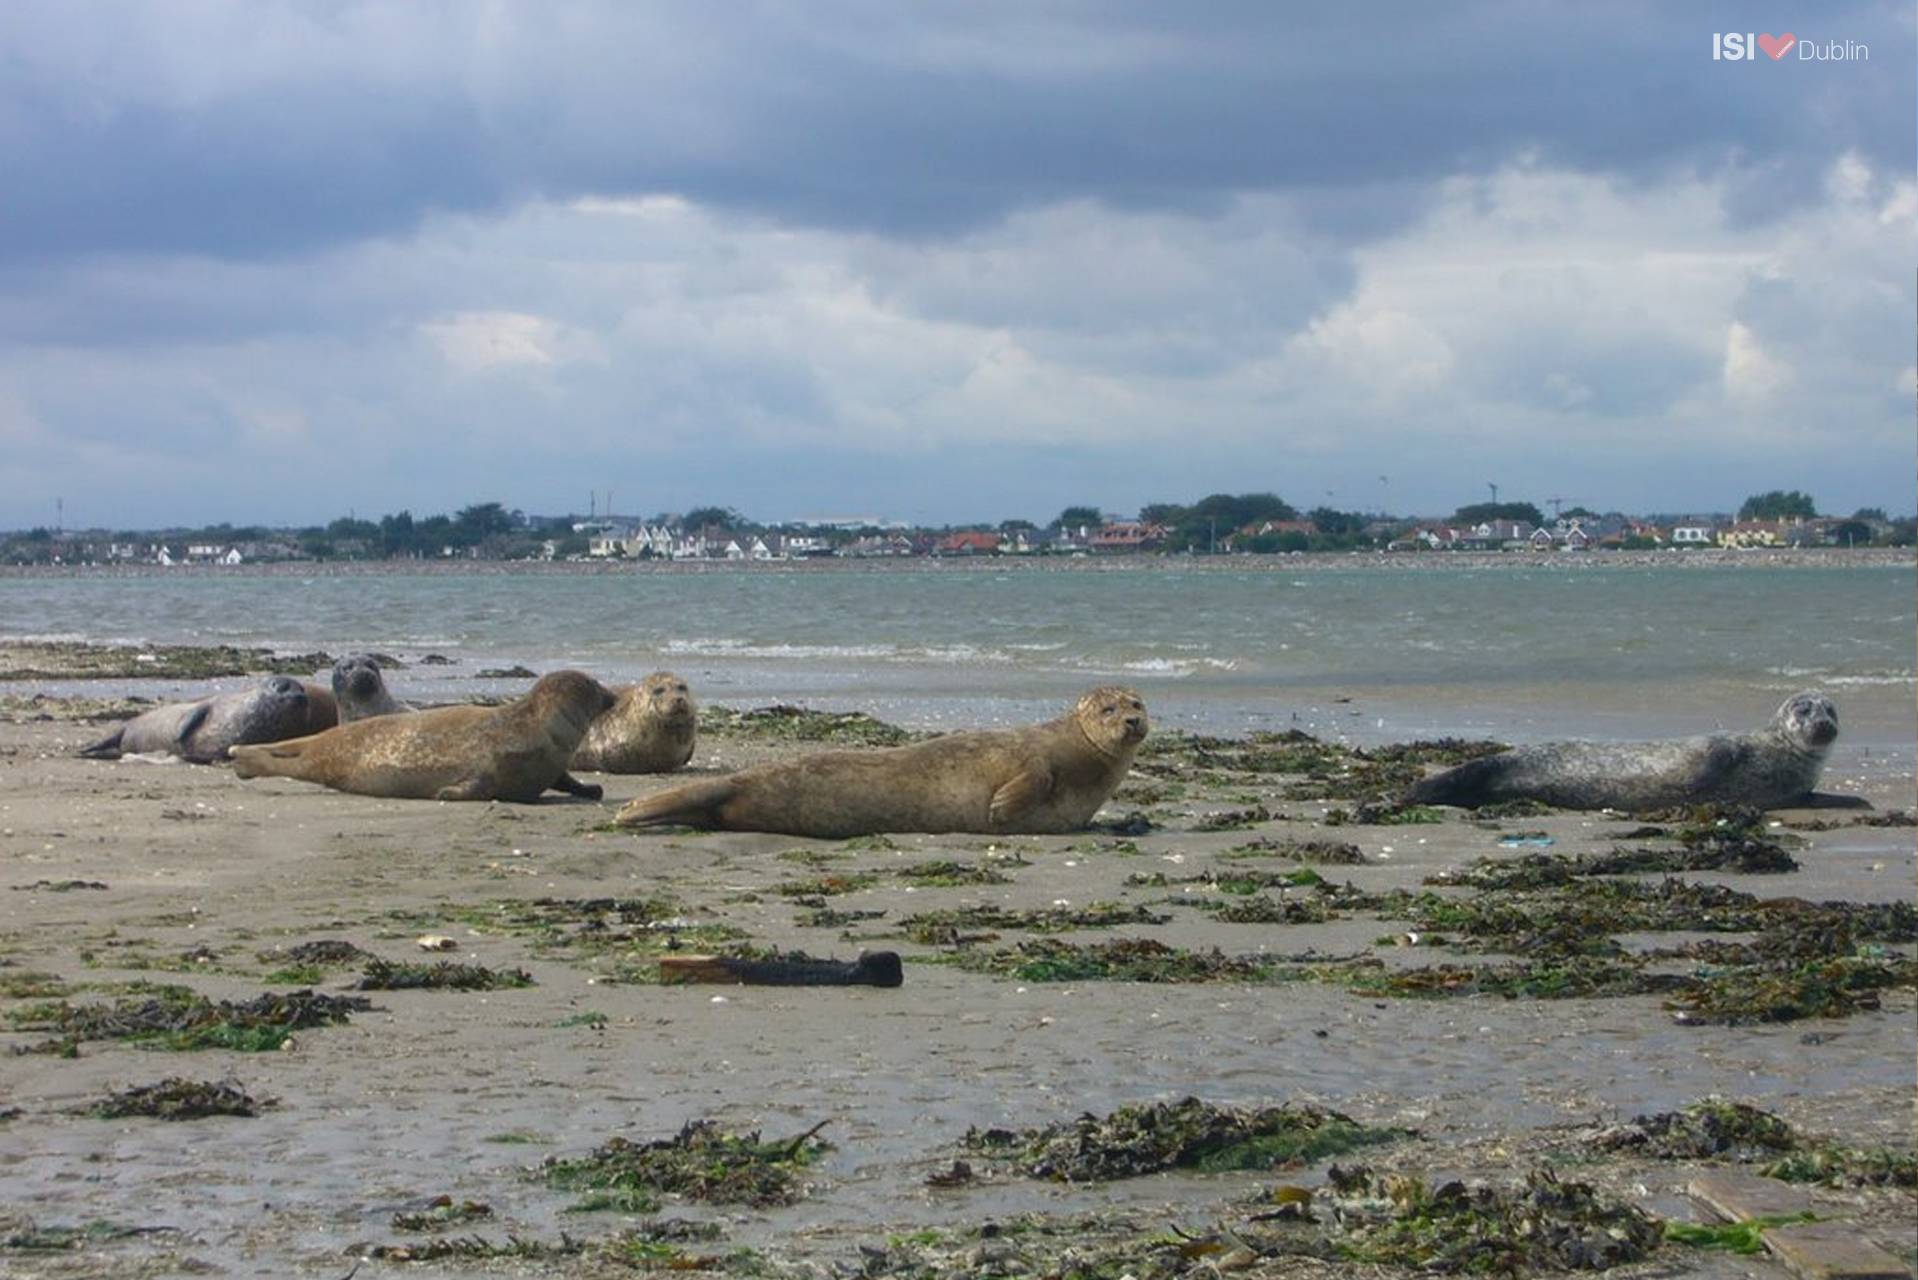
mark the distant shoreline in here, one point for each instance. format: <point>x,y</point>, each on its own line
<point>1310,561</point>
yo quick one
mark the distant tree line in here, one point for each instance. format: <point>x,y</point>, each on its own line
<point>1258,522</point>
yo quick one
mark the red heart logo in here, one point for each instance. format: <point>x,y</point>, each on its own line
<point>1777,46</point>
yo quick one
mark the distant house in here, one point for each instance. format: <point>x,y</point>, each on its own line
<point>1425,537</point>
<point>1128,535</point>
<point>874,545</point>
<point>970,543</point>
<point>1752,533</point>
<point>1693,535</point>
<point>1495,535</point>
<point>805,547</point>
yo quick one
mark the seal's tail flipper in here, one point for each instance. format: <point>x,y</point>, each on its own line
<point>269,759</point>
<point>696,804</point>
<point>107,748</point>
<point>1467,785</point>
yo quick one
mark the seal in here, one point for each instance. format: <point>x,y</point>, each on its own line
<point>649,730</point>
<point>1774,768</point>
<point>201,731</point>
<point>514,752</point>
<point>360,689</point>
<point>1044,778</point>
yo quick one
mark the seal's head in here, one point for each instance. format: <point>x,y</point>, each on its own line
<point>279,708</point>
<point>1112,718</point>
<point>1808,721</point>
<point>570,695</point>
<point>666,696</point>
<point>284,693</point>
<point>357,678</point>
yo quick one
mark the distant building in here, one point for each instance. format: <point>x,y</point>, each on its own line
<point>968,544</point>
<point>1128,535</point>
<point>1752,533</point>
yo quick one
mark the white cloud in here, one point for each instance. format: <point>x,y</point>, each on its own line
<point>482,341</point>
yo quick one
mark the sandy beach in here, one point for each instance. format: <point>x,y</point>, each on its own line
<point>122,875</point>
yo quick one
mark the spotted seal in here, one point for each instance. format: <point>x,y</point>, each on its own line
<point>360,689</point>
<point>1045,778</point>
<point>201,731</point>
<point>1773,768</point>
<point>650,729</point>
<point>514,752</point>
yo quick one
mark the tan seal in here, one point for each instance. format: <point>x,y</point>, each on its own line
<point>278,707</point>
<point>514,752</point>
<point>1046,778</point>
<point>649,729</point>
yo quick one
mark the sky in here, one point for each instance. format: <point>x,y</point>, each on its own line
<point>270,262</point>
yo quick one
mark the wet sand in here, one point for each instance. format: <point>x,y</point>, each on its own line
<point>450,1093</point>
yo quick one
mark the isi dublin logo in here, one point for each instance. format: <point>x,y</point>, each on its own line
<point>1745,46</point>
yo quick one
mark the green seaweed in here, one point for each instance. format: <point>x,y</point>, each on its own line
<point>444,975</point>
<point>1542,1224</point>
<point>784,723</point>
<point>1152,1137</point>
<point>181,1019</point>
<point>945,928</point>
<point>442,1213</point>
<point>948,874</point>
<point>177,1098</point>
<point>1119,960</point>
<point>1745,1236</point>
<point>701,1162</point>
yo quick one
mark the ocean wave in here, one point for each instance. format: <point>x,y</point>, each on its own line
<point>1823,675</point>
<point>726,647</point>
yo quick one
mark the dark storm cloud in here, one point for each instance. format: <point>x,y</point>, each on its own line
<point>262,129</point>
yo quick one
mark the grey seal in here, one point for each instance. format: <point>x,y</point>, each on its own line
<point>1773,768</point>
<point>360,689</point>
<point>1048,777</point>
<point>201,731</point>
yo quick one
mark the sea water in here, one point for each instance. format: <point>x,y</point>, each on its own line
<point>1366,651</point>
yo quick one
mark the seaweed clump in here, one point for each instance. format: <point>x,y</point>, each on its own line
<point>1192,1134</point>
<point>181,1019</point>
<point>1541,1224</point>
<point>947,928</point>
<point>446,975</point>
<point>1120,960</point>
<point>1707,1130</point>
<point>787,723</point>
<point>700,1162</point>
<point>1734,1131</point>
<point>177,1098</point>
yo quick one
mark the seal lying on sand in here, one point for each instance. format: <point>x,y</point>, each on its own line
<point>1047,778</point>
<point>360,689</point>
<point>201,731</point>
<point>649,730</point>
<point>513,752</point>
<point>1773,768</point>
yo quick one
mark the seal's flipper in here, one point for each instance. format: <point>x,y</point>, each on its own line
<point>694,805</point>
<point>574,787</point>
<point>476,788</point>
<point>1019,796</point>
<point>107,748</point>
<point>269,759</point>
<point>194,719</point>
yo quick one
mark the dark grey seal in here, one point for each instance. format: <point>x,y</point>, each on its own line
<point>279,707</point>
<point>360,689</point>
<point>1775,768</point>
